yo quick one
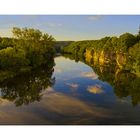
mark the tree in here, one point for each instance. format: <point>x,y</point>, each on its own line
<point>126,41</point>
<point>48,39</point>
<point>29,47</point>
<point>27,34</point>
<point>27,90</point>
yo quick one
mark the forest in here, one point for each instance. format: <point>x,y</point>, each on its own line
<point>29,55</point>
<point>122,51</point>
<point>115,59</point>
<point>28,48</point>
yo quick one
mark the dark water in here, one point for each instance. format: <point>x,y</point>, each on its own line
<point>72,93</point>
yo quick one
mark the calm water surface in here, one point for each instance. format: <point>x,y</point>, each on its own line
<point>71,94</point>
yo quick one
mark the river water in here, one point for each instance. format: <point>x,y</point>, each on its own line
<point>72,94</point>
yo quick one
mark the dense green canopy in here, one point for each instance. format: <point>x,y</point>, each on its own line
<point>29,47</point>
<point>125,50</point>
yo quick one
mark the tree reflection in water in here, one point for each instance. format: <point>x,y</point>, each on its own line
<point>26,87</point>
<point>124,82</point>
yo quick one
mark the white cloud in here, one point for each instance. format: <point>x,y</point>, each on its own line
<point>55,103</point>
<point>96,89</point>
<point>91,75</point>
<point>48,24</point>
<point>95,17</point>
<point>60,103</point>
<point>72,85</point>
<point>54,24</point>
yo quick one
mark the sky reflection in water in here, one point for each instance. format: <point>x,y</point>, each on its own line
<point>77,97</point>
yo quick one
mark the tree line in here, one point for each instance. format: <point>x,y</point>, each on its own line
<point>126,44</point>
<point>122,43</point>
<point>28,48</point>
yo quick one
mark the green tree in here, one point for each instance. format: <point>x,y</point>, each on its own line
<point>29,47</point>
<point>27,34</point>
<point>126,41</point>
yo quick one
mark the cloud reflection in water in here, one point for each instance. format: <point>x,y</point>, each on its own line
<point>96,89</point>
<point>54,108</point>
<point>91,75</point>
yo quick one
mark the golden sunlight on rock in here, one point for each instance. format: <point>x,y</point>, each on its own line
<point>97,89</point>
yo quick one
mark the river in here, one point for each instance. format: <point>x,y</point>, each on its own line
<point>71,94</point>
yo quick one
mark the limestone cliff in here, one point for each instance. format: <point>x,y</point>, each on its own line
<point>106,57</point>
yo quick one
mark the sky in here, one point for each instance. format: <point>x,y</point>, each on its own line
<point>72,27</point>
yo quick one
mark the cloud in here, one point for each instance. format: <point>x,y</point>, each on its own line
<point>29,17</point>
<point>49,24</point>
<point>95,17</point>
<point>97,89</point>
<point>4,102</point>
<point>77,110</point>
<point>91,75</point>
<point>54,24</point>
<point>55,104</point>
<point>72,85</point>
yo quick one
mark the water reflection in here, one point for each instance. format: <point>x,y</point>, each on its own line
<point>25,88</point>
<point>91,75</point>
<point>97,89</point>
<point>71,110</point>
<point>128,84</point>
<point>54,108</point>
<point>70,93</point>
<point>125,84</point>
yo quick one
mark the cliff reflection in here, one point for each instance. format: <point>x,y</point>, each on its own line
<point>25,87</point>
<point>123,81</point>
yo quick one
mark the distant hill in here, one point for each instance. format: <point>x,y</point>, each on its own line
<point>60,44</point>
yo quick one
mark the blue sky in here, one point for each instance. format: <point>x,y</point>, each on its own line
<point>76,27</point>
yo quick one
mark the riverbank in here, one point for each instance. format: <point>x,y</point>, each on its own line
<point>123,52</point>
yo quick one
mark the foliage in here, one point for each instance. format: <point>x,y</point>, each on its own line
<point>135,57</point>
<point>123,50</point>
<point>126,41</point>
<point>10,57</point>
<point>58,45</point>
<point>27,90</point>
<point>6,42</point>
<point>29,47</point>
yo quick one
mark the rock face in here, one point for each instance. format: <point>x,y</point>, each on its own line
<point>121,60</point>
<point>106,57</point>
